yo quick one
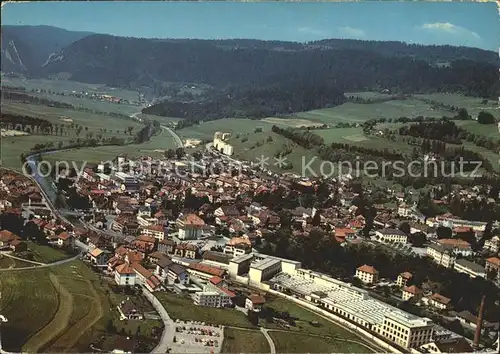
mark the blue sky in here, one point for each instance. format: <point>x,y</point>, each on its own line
<point>454,23</point>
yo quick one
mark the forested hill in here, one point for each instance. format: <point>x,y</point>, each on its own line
<point>137,62</point>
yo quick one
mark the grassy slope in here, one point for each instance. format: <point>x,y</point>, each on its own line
<point>300,343</point>
<point>68,86</point>
<point>161,142</point>
<point>355,112</point>
<point>180,307</point>
<point>244,341</point>
<point>472,104</point>
<point>88,306</point>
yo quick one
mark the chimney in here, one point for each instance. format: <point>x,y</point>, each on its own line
<point>479,323</point>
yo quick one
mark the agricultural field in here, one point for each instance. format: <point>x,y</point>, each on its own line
<point>488,130</point>
<point>206,130</point>
<point>473,105</point>
<point>108,126</point>
<point>286,342</point>
<point>292,122</point>
<point>182,308</point>
<point>253,146</point>
<point>358,113</point>
<point>154,148</point>
<point>244,341</point>
<point>11,148</point>
<point>67,87</point>
<point>368,95</point>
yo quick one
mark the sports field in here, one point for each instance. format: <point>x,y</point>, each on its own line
<point>68,307</point>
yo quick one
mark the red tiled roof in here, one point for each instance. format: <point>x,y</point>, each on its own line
<point>125,268</point>
<point>367,269</point>
<point>207,269</point>
<point>406,275</point>
<point>227,292</point>
<point>412,290</point>
<point>141,270</point>
<point>193,220</point>
<point>440,298</point>
<point>64,236</point>
<point>494,261</point>
<point>257,299</point>
<point>216,280</point>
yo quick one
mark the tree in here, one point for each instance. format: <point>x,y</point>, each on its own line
<point>258,130</point>
<point>405,227</point>
<point>179,152</point>
<point>417,239</point>
<point>316,220</point>
<point>485,118</point>
<point>463,114</point>
<point>443,232</point>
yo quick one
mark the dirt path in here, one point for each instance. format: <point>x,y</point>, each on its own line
<point>89,320</point>
<point>58,323</point>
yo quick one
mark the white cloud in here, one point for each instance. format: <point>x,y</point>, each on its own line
<point>352,32</point>
<point>312,31</point>
<point>450,28</point>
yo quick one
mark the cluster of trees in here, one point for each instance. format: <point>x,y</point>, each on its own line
<point>446,131</point>
<point>14,121</point>
<point>354,67</point>
<point>253,102</point>
<point>486,118</point>
<point>151,128</point>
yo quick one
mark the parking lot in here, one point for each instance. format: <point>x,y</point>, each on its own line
<point>197,337</point>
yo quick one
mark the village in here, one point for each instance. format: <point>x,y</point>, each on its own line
<point>204,236</point>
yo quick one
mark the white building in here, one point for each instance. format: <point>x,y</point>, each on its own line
<point>492,245</point>
<point>441,255</point>
<point>190,227</point>
<point>156,231</point>
<point>263,270</point>
<point>221,144</point>
<point>403,278</point>
<point>391,235</point>
<point>367,274</point>
<point>404,210</point>
<point>470,268</point>
<point>411,291</point>
<point>407,330</point>
<point>356,306</point>
<point>211,296</point>
<point>125,275</point>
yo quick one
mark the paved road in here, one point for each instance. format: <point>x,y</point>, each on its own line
<point>167,337</point>
<point>269,340</point>
<point>177,139</point>
<point>6,254</point>
<point>43,265</point>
